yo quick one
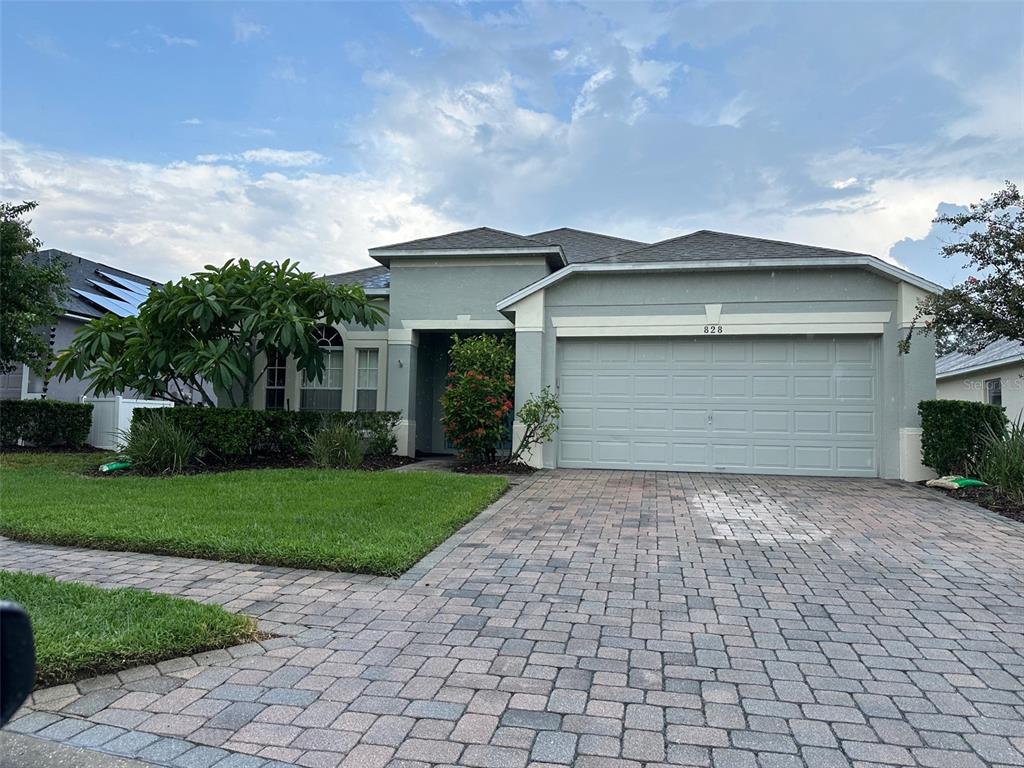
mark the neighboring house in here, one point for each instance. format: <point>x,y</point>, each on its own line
<point>93,290</point>
<point>993,375</point>
<point>707,352</point>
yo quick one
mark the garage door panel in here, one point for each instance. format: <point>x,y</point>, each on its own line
<point>855,387</point>
<point>657,385</point>
<point>690,419</point>
<point>613,386</point>
<point>776,405</point>
<point>689,386</point>
<point>770,421</point>
<point>768,387</point>
<point>855,423</point>
<point>771,457</point>
<point>729,386</point>
<point>606,419</point>
<point>656,419</point>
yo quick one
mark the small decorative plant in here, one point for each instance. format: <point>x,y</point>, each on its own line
<point>539,418</point>
<point>336,446</point>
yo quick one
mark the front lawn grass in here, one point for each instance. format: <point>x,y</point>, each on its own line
<point>367,522</point>
<point>82,631</point>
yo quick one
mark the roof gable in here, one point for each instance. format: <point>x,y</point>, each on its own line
<point>582,246</point>
<point>707,245</point>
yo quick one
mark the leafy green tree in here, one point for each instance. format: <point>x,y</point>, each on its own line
<point>212,328</point>
<point>31,294</point>
<point>478,395</point>
<point>989,305</point>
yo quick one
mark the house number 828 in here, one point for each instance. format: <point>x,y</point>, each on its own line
<point>712,329</point>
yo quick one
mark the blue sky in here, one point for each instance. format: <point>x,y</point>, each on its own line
<point>161,137</point>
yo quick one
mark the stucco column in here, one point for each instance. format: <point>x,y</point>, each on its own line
<point>401,395</point>
<point>916,377</point>
<point>529,364</point>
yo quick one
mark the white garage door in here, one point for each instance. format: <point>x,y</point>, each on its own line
<point>795,406</point>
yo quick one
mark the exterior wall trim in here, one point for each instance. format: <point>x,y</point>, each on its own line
<point>740,324</point>
<point>864,262</point>
<point>459,324</point>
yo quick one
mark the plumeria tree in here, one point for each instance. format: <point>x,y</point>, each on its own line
<point>989,304</point>
<point>215,328</point>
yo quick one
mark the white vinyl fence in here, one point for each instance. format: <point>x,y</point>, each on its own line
<point>113,415</point>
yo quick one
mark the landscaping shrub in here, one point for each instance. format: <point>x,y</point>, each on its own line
<point>336,446</point>
<point>478,395</point>
<point>45,423</point>
<point>954,432</point>
<point>1002,459</point>
<point>157,444</point>
<point>238,435</point>
<point>539,416</point>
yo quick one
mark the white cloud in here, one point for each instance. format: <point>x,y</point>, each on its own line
<point>283,158</point>
<point>47,46</point>
<point>286,70</point>
<point>246,30</point>
<point>163,221</point>
<point>192,121</point>
<point>173,40</point>
<point>844,183</point>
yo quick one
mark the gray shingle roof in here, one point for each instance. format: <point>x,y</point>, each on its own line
<point>579,246</point>
<point>371,278</point>
<point>85,275</point>
<point>706,245</point>
<point>1001,352</point>
<point>480,237</point>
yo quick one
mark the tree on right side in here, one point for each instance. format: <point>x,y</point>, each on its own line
<point>988,305</point>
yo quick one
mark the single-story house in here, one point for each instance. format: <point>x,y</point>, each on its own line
<point>707,352</point>
<point>994,375</point>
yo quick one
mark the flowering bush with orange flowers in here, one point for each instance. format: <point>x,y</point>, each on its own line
<point>478,396</point>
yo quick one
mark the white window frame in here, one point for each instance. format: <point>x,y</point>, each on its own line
<point>334,350</point>
<point>374,354</point>
<point>989,385</point>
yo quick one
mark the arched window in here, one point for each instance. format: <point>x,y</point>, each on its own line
<point>324,394</point>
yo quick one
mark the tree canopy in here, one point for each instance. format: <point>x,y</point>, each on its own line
<point>989,304</point>
<point>31,293</point>
<point>215,329</point>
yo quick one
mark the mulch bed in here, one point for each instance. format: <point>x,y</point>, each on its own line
<point>370,464</point>
<point>992,499</point>
<point>495,468</point>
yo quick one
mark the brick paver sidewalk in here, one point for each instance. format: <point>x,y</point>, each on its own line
<point>598,619</point>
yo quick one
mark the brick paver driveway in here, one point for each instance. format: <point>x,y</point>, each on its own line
<point>600,619</point>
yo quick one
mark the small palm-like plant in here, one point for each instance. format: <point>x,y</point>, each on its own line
<point>335,446</point>
<point>1002,459</point>
<point>159,445</point>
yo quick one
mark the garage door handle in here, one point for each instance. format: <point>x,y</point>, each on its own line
<point>709,418</point>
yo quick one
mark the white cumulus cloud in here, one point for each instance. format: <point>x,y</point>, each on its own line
<point>283,158</point>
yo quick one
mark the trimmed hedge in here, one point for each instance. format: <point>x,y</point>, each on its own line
<point>954,432</point>
<point>234,435</point>
<point>45,423</point>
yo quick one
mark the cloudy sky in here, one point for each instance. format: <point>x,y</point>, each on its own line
<point>161,137</point>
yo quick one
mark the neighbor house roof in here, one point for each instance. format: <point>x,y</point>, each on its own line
<point>996,354</point>
<point>95,288</point>
<point>578,245</point>
<point>481,241</point>
<point>370,278</point>
<point>707,245</point>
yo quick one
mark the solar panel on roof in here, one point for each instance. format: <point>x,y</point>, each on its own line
<point>129,297</point>
<point>131,285</point>
<point>119,308</point>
